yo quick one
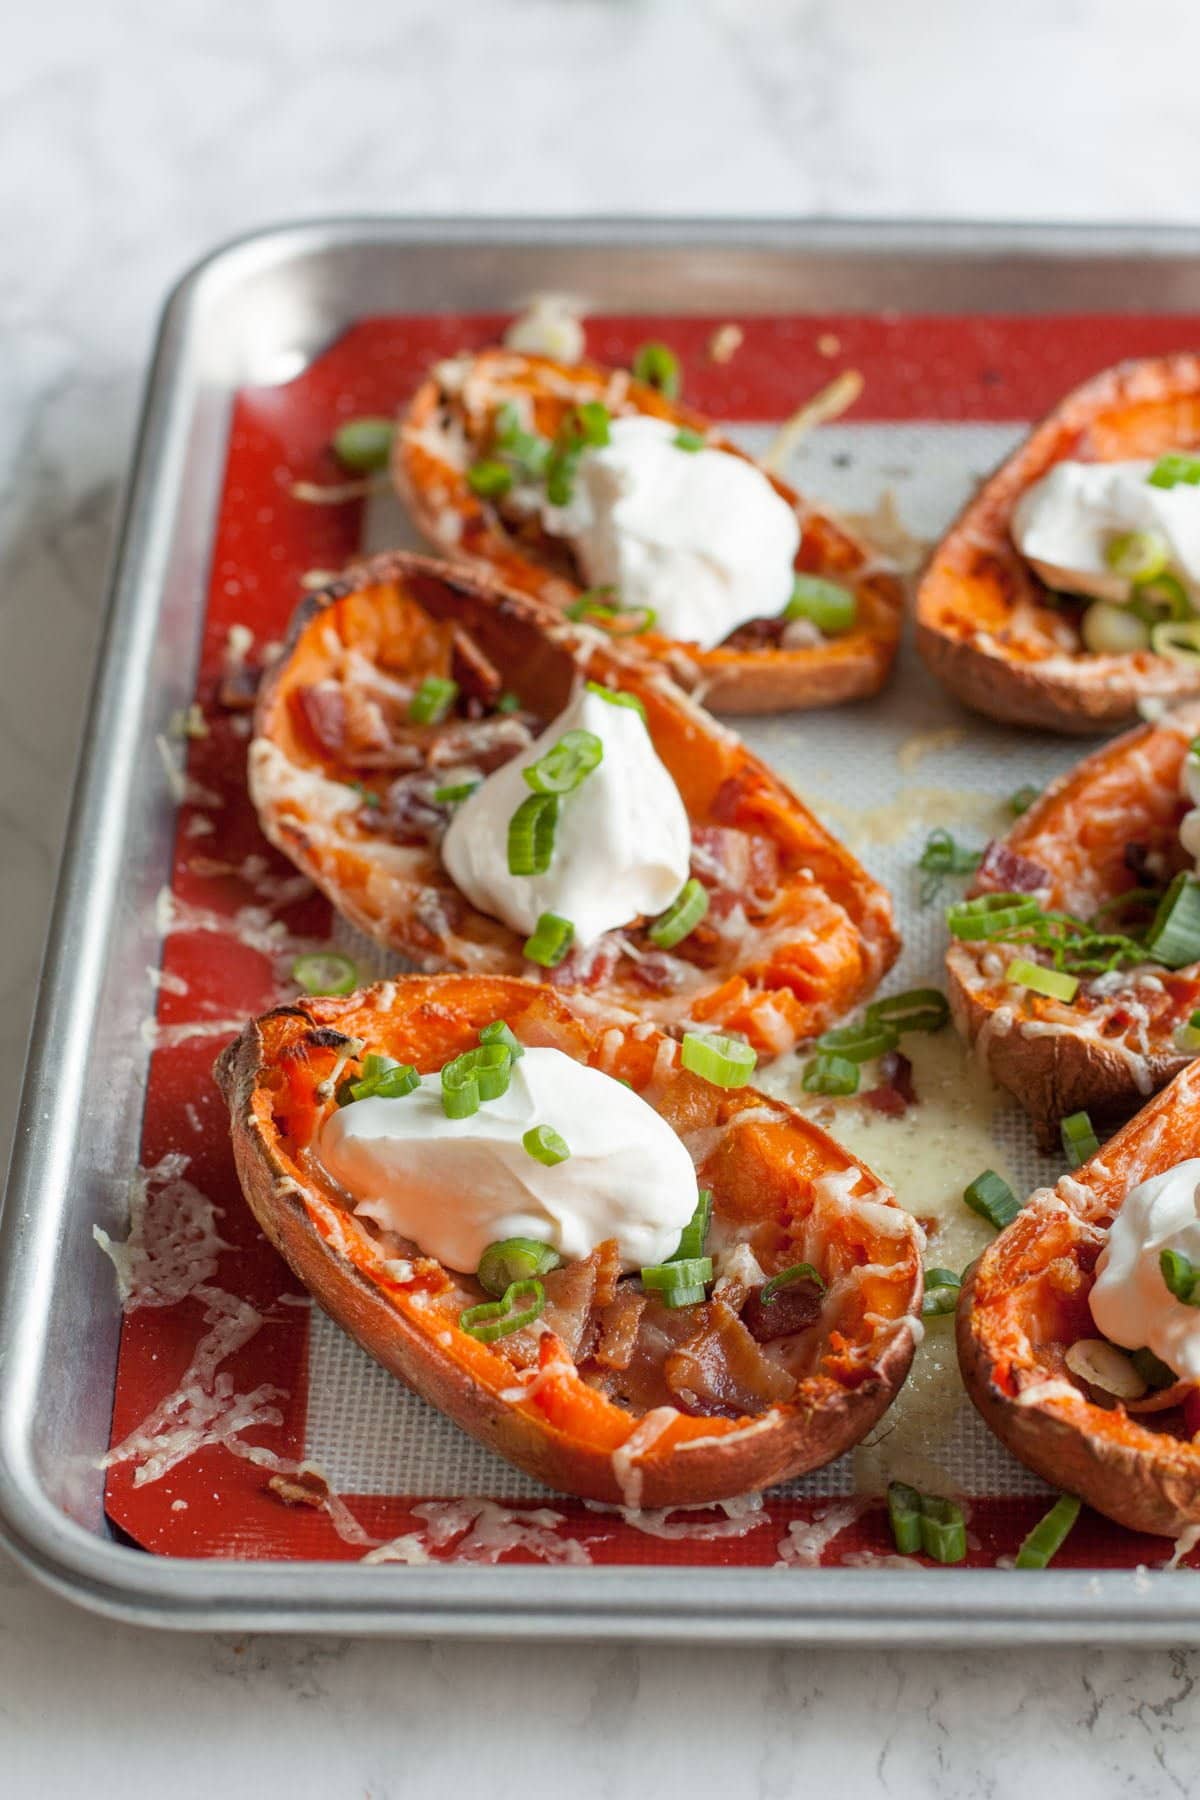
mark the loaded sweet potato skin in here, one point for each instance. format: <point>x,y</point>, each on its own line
<point>448,425</point>
<point>1025,1302</point>
<point>819,932</point>
<point>984,623</point>
<point>764,1162</point>
<point>1107,1054</point>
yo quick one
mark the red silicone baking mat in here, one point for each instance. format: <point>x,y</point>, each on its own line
<point>227,1382</point>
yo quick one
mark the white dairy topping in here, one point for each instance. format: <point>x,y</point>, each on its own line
<point>700,536</point>
<point>1063,524</point>
<point>622,846</point>
<point>1189,830</point>
<point>454,1186</point>
<point>1131,1303</point>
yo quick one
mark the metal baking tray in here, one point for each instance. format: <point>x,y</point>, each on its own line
<point>256,312</point>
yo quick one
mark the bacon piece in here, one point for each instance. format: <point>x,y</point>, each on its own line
<point>484,744</point>
<point>895,1092</point>
<point>237,689</point>
<point>619,1323</point>
<point>570,1297</point>
<point>756,634</point>
<point>657,971</point>
<point>791,1309</point>
<point>1005,871</point>
<point>322,711</point>
<point>608,1270</point>
<point>409,814</point>
<point>719,1370</point>
<point>586,968</point>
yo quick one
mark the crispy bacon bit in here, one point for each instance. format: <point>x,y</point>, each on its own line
<point>608,1270</point>
<point>719,1370</point>
<point>409,814</point>
<point>791,1309</point>
<point>1005,871</point>
<point>895,1092</point>
<point>475,673</point>
<point>585,968</point>
<point>656,970</point>
<point>619,1322</point>
<point>486,744</point>
<point>305,1488</point>
<point>728,799</point>
<point>237,689</point>
<point>756,634</point>
<point>570,1296</point>
<point>322,710</point>
<point>738,862</point>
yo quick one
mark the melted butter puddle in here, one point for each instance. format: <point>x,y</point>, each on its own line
<point>927,1157</point>
<point>862,828</point>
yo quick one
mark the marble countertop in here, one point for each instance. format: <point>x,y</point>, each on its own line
<point>133,138</point>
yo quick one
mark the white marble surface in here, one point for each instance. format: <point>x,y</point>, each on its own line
<point>131,138</point>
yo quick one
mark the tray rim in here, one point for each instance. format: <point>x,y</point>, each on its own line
<point>649,1603</point>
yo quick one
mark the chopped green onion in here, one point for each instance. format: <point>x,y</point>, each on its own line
<point>473,1077</point>
<point>679,1283</point>
<point>1021,801</point>
<point>566,764</point>
<point>904,1515</point>
<point>1163,599</point>
<point>1153,1371</point>
<point>383,1078</point>
<point>456,792</point>
<point>1187,1037</point>
<point>686,439</point>
<point>725,1061</point>
<point>859,1043</point>
<point>508,703</point>
<point>1174,937</point>
<point>531,833</point>
<point>560,474</point>
<point>1170,470</point>
<point>525,449</point>
<point>364,445</point>
<point>1137,555</point>
<point>990,1196</point>
<point>658,367</point>
<point>941,1293</point>
<point>1179,641</point>
<point>943,1529</point>
<point>591,422</point>
<point>600,600</point>
<point>432,700</point>
<point>990,915</point>
<point>831,1075</point>
<point>545,1145</point>
<point>489,478</point>
<point>1111,630</point>
<point>550,941</point>
<point>802,1271</point>
<point>1049,1534</point>
<point>615,696</point>
<point>1181,1275</point>
<point>499,1032</point>
<point>521,1303</point>
<point>1051,982</point>
<point>919,1009</point>
<point>1079,1138</point>
<point>681,917</point>
<point>325,972</point>
<point>691,1239</point>
<point>513,1260</point>
<point>942,855</point>
<point>826,604</point>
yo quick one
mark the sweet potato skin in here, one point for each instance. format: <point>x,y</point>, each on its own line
<point>788,992</point>
<point>1025,1301</point>
<point>565,1433</point>
<point>983,625</point>
<point>1078,831</point>
<point>729,679</point>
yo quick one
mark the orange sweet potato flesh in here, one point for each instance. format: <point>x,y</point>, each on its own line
<point>820,933</point>
<point>1025,1303</point>
<point>1087,832</point>
<point>448,426</point>
<point>984,625</point>
<point>555,1426</point>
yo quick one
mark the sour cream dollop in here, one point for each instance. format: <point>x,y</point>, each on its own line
<point>454,1186</point>
<point>700,536</point>
<point>622,846</point>
<point>1131,1303</point>
<point>1064,523</point>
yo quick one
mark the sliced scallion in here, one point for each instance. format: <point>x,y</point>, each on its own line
<point>1179,640</point>
<point>489,478</point>
<point>725,1061</point>
<point>364,445</point>
<point>455,794</point>
<point>941,1293</point>
<point>383,1078</point>
<point>831,1075</point>
<point>694,1233</point>
<point>521,1303</point>
<point>615,696</point>
<point>918,1009</point>
<point>473,1077</point>
<point>1137,555</point>
<point>681,917</point>
<point>531,833</point>
<point>990,1196</point>
<point>1153,1371</point>
<point>566,764</point>
<point>1174,936</point>
<point>550,941</point>
<point>512,1260</point>
<point>1053,983</point>
<point>859,1043</point>
<point>508,703</point>
<point>688,440</point>
<point>1182,1276</point>
<point>801,1271</point>
<point>1049,1534</point>
<point>432,700</point>
<point>1161,600</point>
<point>826,604</point>
<point>545,1145</point>
<point>990,915</point>
<point>658,367</point>
<point>499,1032</point>
<point>325,972</point>
<point>943,1529</point>
<point>1169,471</point>
<point>1079,1138</point>
<point>679,1283</point>
<point>1021,801</point>
<point>1187,1036</point>
<point>904,1515</point>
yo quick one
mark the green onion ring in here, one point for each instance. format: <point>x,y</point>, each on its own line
<point>725,1061</point>
<point>512,1260</point>
<point>1079,1138</point>
<point>802,1271</point>
<point>694,1233</point>
<point>521,1303</point>
<point>681,917</point>
<point>990,1196</point>
<point>989,915</point>
<point>325,972</point>
<point>566,765</point>
<point>531,834</point>
<point>432,700</point>
<point>545,1145</point>
<point>551,940</point>
<point>1049,1534</point>
<point>831,1075</point>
